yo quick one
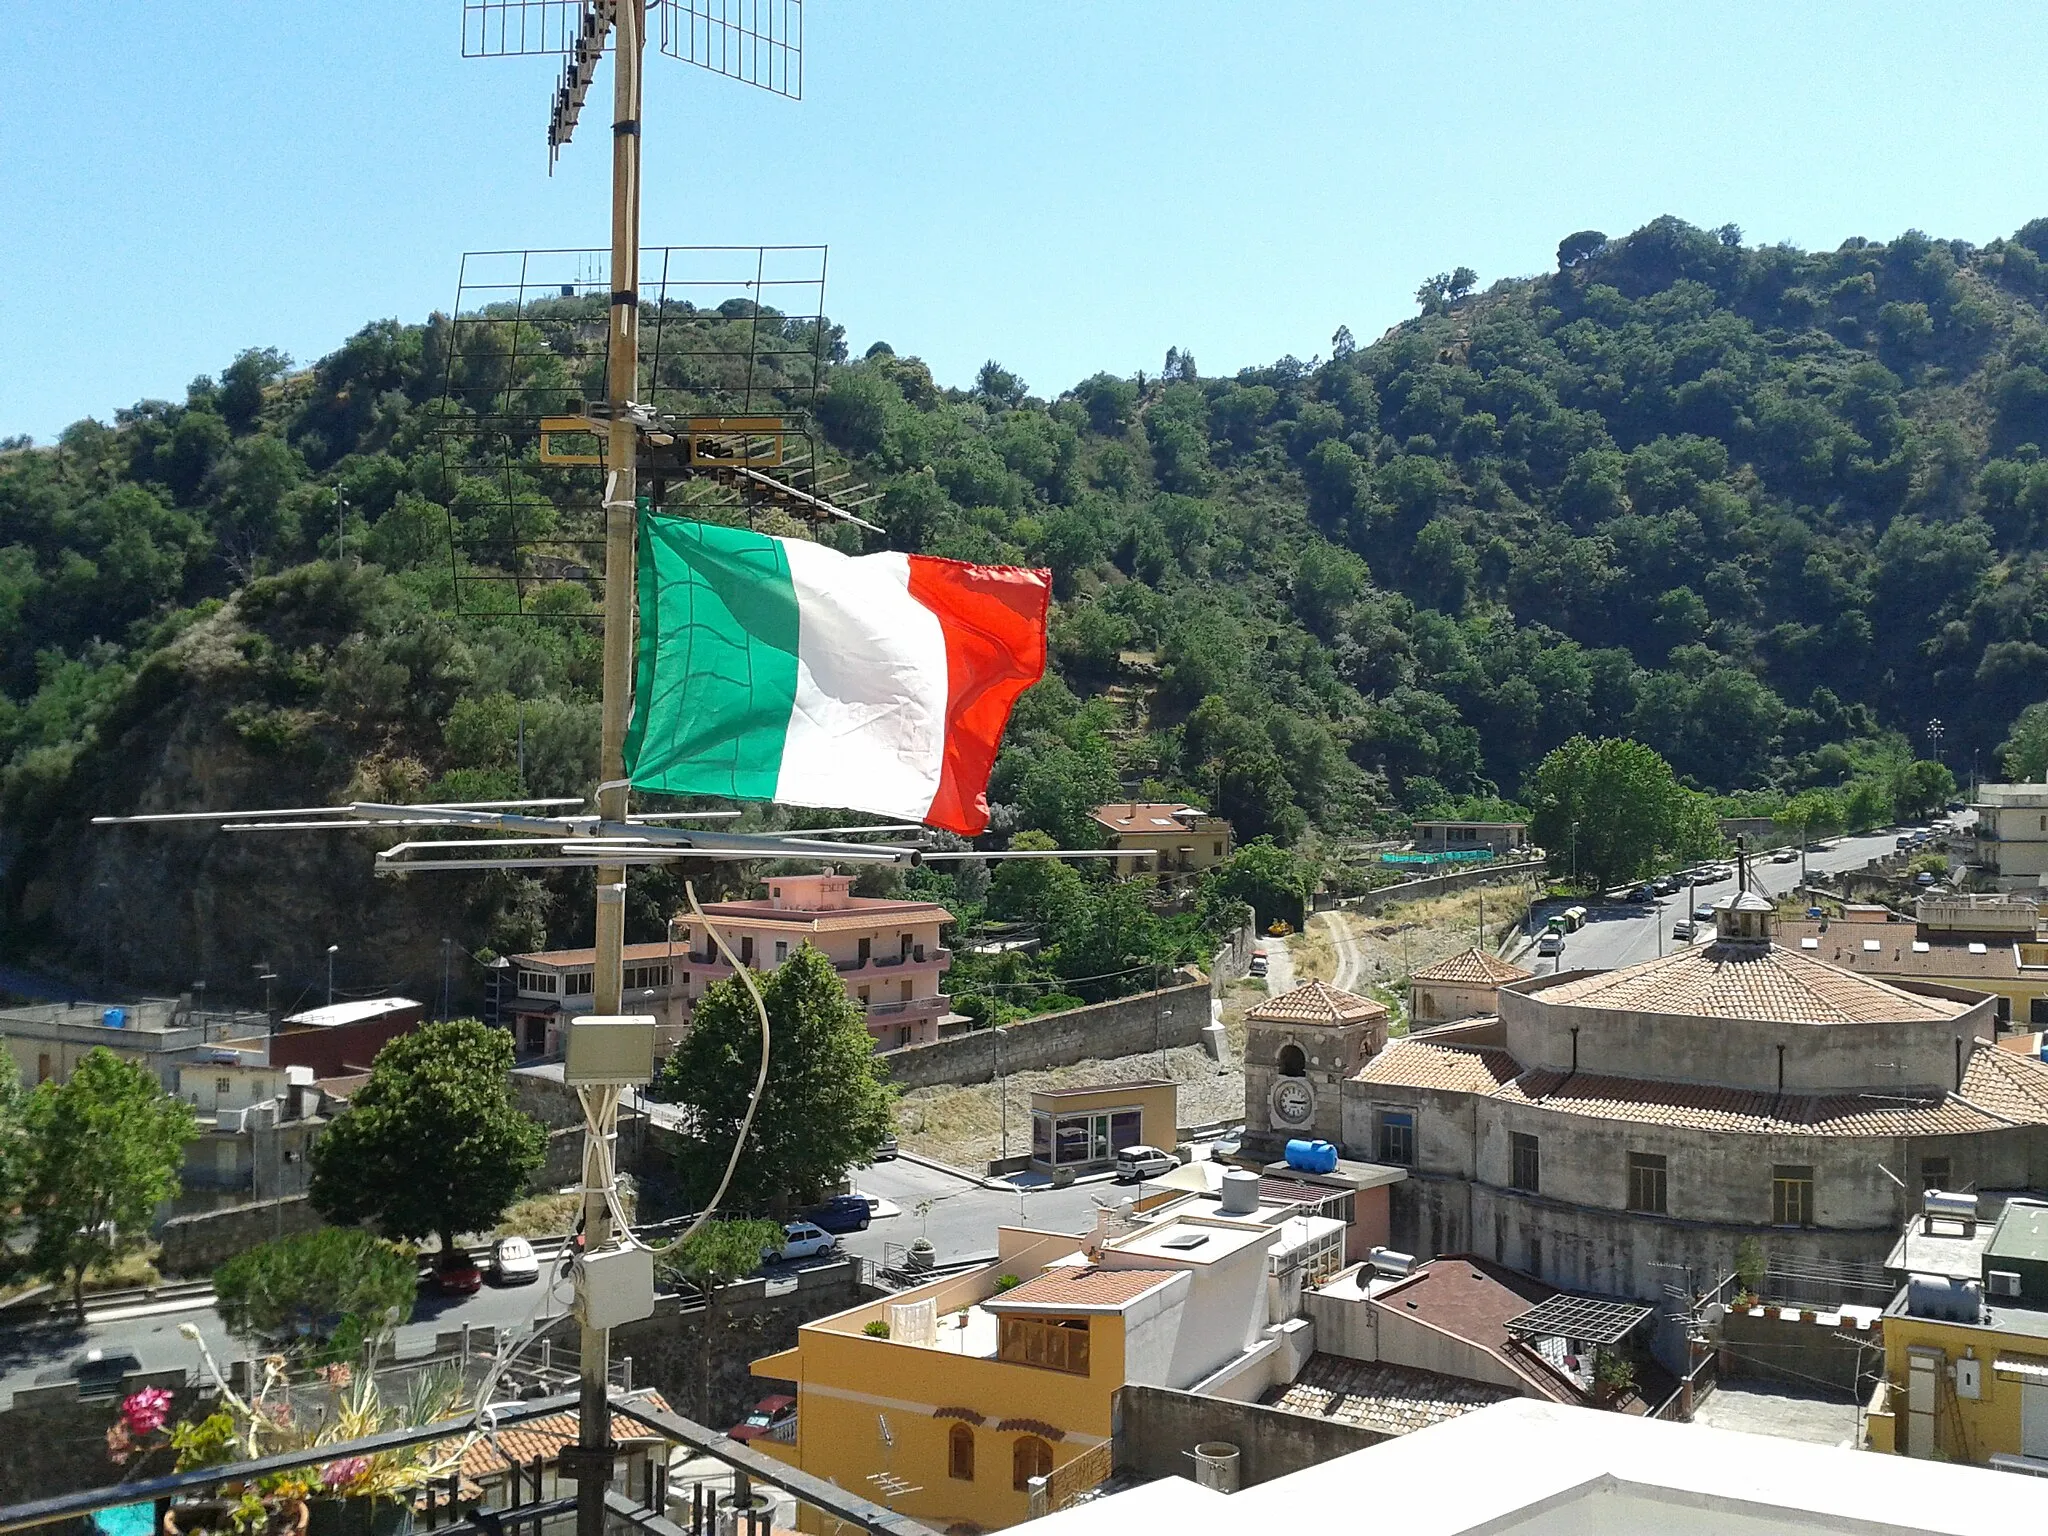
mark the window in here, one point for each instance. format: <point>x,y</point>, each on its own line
<point>577,984</point>
<point>960,1452</point>
<point>1041,1137</point>
<point>538,981</point>
<point>223,1085</point>
<point>1524,1173</point>
<point>1536,1256</point>
<point>747,950</point>
<point>1054,1343</point>
<point>867,948</point>
<point>863,994</point>
<point>1936,1172</point>
<point>904,994</point>
<point>781,950</point>
<point>1646,1183</point>
<point>1216,850</point>
<point>1292,1062</point>
<point>1032,1458</point>
<point>1123,1129</point>
<point>1397,1136</point>
<point>645,978</point>
<point>1791,1196</point>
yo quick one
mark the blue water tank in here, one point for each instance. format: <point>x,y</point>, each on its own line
<point>114,1018</point>
<point>1312,1156</point>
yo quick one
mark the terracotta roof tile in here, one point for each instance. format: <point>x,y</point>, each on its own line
<point>1393,1399</point>
<point>1750,981</point>
<point>1412,1063</point>
<point>1317,1002</point>
<point>1074,1285</point>
<point>1475,966</point>
<point>2007,1083</point>
<point>543,1439</point>
<point>1143,816</point>
<point>1705,1107</point>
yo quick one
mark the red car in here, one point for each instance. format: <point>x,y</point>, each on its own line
<point>457,1275</point>
<point>771,1413</point>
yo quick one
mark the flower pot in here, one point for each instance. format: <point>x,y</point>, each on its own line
<point>285,1517</point>
<point>360,1517</point>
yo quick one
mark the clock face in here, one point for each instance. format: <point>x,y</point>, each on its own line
<point>1293,1101</point>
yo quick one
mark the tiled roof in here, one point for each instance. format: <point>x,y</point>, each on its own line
<point>1316,1002</point>
<point>1704,1107</point>
<point>543,1439</point>
<point>1726,980</point>
<point>1074,1285</point>
<point>1474,966</point>
<point>1412,1063</point>
<point>1163,816</point>
<point>2007,1083</point>
<point>1393,1399</point>
<point>1897,952</point>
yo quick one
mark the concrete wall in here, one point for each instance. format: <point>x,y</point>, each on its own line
<point>199,1243</point>
<point>1439,885</point>
<point>60,1442</point>
<point>1800,1354</point>
<point>1129,1026</point>
<point>1156,1427</point>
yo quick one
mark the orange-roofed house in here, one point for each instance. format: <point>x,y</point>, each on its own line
<point>1166,838</point>
<point>1459,986</point>
<point>887,954</point>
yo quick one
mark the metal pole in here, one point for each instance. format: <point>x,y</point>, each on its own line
<point>338,533</point>
<point>622,448</point>
<point>330,973</point>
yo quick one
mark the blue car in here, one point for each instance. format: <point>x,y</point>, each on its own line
<point>842,1213</point>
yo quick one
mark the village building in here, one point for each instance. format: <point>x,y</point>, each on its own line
<point>1499,838</point>
<point>1987,943</point>
<point>2011,834</point>
<point>1167,838</point>
<point>1459,986</point>
<point>887,954</point>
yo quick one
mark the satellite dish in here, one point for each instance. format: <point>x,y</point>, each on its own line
<point>1712,1313</point>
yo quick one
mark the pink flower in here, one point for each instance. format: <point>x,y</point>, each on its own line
<point>144,1412</point>
<point>118,1444</point>
<point>339,1474</point>
<point>336,1375</point>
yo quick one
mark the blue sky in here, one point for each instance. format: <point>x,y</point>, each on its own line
<point>1062,187</point>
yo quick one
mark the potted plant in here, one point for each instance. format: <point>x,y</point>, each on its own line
<point>1614,1377</point>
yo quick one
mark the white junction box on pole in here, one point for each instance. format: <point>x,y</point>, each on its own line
<point>614,1286</point>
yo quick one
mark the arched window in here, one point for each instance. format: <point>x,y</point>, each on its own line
<point>960,1452</point>
<point>1292,1062</point>
<point>1032,1458</point>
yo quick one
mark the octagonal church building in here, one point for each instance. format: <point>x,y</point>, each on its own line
<point>1605,1125</point>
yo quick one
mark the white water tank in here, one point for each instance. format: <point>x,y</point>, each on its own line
<point>1240,1192</point>
<point>1216,1465</point>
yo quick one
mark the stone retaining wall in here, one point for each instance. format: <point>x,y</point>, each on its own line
<point>1128,1026</point>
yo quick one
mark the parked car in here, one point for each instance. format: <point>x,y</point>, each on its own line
<point>1925,877</point>
<point>513,1262</point>
<point>457,1275</point>
<point>97,1373</point>
<point>1703,913</point>
<point>769,1414</point>
<point>1550,944</point>
<point>1643,893</point>
<point>802,1240</point>
<point>1142,1162</point>
<point>886,1152</point>
<point>1683,929</point>
<point>1785,856</point>
<point>1258,965</point>
<point>841,1213</point>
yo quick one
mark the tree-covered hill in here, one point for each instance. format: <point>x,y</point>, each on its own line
<point>1765,510</point>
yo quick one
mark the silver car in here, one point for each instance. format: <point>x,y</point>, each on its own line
<point>513,1262</point>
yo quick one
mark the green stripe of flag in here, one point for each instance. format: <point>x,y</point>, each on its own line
<point>717,660</point>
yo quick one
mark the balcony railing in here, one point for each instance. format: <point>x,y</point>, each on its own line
<point>912,1008</point>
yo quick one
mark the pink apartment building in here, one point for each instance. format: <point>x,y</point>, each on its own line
<point>886,952</point>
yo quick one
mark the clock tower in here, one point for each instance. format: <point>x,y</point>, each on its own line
<point>1299,1048</point>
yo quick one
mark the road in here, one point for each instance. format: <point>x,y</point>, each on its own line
<point>1625,933</point>
<point>959,1215</point>
<point>1350,975</point>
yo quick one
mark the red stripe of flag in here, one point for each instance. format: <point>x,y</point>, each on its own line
<point>993,617</point>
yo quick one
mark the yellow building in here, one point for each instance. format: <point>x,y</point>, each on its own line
<point>1084,1128</point>
<point>1162,839</point>
<point>961,1402</point>
<point>1966,1362</point>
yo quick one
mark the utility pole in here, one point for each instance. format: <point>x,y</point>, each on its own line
<point>332,950</point>
<point>446,946</point>
<point>629,37</point>
<point>339,531</point>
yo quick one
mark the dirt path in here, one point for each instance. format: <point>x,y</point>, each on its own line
<point>1350,974</point>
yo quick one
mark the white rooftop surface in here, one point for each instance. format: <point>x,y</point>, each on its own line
<point>1542,1469</point>
<point>350,1013</point>
<point>1943,1252</point>
<point>1186,1242</point>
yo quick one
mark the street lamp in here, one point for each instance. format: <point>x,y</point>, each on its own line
<point>1934,735</point>
<point>332,951</point>
<point>1575,855</point>
<point>266,975</point>
<point>446,945</point>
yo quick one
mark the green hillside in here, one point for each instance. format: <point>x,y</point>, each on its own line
<point>1766,510</point>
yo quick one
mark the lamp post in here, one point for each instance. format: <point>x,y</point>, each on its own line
<point>266,975</point>
<point>1934,734</point>
<point>1575,855</point>
<point>446,946</point>
<point>332,951</point>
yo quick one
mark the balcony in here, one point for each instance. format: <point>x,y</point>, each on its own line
<point>905,1010</point>
<point>920,956</point>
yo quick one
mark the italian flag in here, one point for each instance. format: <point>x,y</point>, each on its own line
<point>778,669</point>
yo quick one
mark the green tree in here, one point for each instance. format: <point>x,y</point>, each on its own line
<point>1036,890</point>
<point>105,1147</point>
<point>1273,881</point>
<point>2024,752</point>
<point>1815,813</point>
<point>1868,804</point>
<point>335,1286</point>
<point>710,1259</point>
<point>827,1104</point>
<point>432,1144</point>
<point>1608,808</point>
<point>1923,789</point>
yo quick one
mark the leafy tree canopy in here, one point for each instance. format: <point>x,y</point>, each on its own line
<point>307,1291</point>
